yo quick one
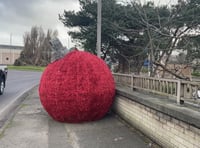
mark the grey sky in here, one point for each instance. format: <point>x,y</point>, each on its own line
<point>18,16</point>
<point>165,2</point>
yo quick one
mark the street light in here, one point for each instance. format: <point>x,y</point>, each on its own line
<point>10,47</point>
<point>99,28</point>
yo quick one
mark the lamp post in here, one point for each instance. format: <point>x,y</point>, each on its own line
<point>10,49</point>
<point>99,28</point>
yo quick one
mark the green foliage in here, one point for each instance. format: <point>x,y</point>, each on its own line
<point>131,31</point>
<point>197,74</point>
<point>27,68</point>
<point>144,70</point>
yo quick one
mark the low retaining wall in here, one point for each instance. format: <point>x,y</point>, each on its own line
<point>160,119</point>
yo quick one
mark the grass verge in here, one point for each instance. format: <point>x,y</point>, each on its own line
<point>27,68</point>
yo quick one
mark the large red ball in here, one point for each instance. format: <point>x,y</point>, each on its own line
<point>77,88</point>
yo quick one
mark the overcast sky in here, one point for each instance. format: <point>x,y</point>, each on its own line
<point>18,16</point>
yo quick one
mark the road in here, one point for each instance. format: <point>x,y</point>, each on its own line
<point>17,83</point>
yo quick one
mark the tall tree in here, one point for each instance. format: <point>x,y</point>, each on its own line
<point>37,50</point>
<point>166,27</point>
<point>117,42</point>
<point>133,31</point>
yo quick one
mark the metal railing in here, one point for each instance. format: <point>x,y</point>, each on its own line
<point>173,88</point>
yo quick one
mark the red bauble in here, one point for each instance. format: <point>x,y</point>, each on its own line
<point>77,88</point>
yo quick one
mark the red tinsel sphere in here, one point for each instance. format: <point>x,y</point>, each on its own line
<point>77,88</point>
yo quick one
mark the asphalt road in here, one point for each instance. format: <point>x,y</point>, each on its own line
<point>17,83</point>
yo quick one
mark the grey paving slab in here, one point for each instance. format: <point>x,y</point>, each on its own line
<point>31,127</point>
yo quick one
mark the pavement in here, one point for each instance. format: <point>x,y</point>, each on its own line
<point>32,127</point>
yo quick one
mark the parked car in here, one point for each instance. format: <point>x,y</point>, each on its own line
<point>3,76</point>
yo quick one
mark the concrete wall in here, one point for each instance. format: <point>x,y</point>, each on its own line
<point>162,120</point>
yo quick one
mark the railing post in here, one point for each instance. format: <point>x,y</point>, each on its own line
<point>178,97</point>
<point>132,81</point>
<point>195,90</point>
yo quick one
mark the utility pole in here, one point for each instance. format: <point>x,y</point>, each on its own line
<point>99,28</point>
<point>10,48</point>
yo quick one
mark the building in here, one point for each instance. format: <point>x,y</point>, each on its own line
<point>177,65</point>
<point>9,53</point>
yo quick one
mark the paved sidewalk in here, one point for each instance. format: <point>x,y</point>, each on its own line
<point>31,127</point>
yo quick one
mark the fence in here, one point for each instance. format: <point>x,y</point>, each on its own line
<point>174,88</point>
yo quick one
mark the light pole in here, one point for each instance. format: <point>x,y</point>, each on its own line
<point>10,48</point>
<point>99,28</point>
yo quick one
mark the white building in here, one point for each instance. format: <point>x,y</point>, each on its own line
<point>9,53</point>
